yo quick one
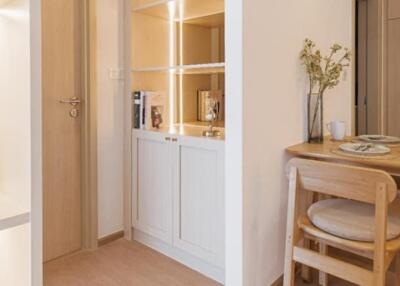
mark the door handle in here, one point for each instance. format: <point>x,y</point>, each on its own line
<point>73,101</point>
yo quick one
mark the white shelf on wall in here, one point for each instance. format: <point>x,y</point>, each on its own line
<point>211,68</point>
<point>192,9</point>
<point>11,213</point>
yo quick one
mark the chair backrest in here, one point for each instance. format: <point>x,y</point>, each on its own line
<point>356,183</point>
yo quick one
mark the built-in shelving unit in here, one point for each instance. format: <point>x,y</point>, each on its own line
<point>178,49</point>
<point>191,9</point>
<point>178,54</point>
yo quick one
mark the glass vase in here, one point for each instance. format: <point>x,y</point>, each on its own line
<point>315,118</point>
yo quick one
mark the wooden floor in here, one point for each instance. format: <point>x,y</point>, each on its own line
<point>121,263</point>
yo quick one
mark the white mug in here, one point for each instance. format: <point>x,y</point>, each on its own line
<point>337,130</point>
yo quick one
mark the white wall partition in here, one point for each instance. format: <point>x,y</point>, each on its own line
<point>15,143</point>
<point>110,116</point>
<point>274,96</point>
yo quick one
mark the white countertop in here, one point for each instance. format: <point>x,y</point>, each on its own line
<point>11,212</point>
<point>188,129</point>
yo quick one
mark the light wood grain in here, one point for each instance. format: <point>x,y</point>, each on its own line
<point>334,267</point>
<point>324,152</point>
<point>381,209</point>
<point>362,72</point>
<point>127,133</point>
<point>150,41</point>
<point>110,238</point>
<point>393,75</point>
<point>89,130</point>
<point>323,277</point>
<point>394,9</point>
<point>62,79</point>
<point>121,263</point>
<point>343,181</point>
<point>361,184</point>
<point>397,268</point>
<point>292,229</point>
<point>191,8</point>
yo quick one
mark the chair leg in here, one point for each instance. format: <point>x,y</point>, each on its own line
<point>305,270</point>
<point>397,268</point>
<point>323,277</point>
<point>381,210</point>
<point>289,275</point>
<point>292,229</point>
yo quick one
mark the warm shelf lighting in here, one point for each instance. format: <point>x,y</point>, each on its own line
<point>171,14</point>
<point>181,63</point>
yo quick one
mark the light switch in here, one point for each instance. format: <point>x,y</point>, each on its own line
<point>116,74</point>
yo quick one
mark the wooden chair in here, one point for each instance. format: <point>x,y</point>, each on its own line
<point>373,188</point>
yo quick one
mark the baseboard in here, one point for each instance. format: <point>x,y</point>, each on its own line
<point>211,271</point>
<point>278,282</point>
<point>110,238</point>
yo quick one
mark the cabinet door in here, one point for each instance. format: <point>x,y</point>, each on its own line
<point>151,184</point>
<point>199,198</point>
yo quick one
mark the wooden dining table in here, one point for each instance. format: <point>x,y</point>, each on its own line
<point>329,151</point>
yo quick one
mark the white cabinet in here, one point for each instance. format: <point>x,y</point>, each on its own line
<point>178,192</point>
<point>199,198</point>
<point>152,187</point>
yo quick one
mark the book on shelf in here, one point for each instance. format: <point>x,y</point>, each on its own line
<point>136,109</point>
<point>150,110</point>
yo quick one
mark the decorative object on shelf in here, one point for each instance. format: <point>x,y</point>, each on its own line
<point>211,115</point>
<point>205,100</point>
<point>324,73</point>
<point>150,109</point>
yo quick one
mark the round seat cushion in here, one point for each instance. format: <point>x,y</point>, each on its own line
<point>350,219</point>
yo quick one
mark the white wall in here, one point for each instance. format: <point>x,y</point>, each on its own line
<point>15,136</point>
<point>14,256</point>
<point>110,117</point>
<point>274,93</point>
<point>15,100</point>
<point>234,144</point>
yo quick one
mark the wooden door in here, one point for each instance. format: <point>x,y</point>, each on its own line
<point>393,68</point>
<point>198,184</point>
<point>62,50</point>
<point>152,188</point>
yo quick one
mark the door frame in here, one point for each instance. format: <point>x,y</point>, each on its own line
<point>378,58</point>
<point>89,131</point>
<point>89,144</point>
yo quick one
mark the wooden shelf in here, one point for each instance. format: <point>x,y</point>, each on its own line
<point>11,213</point>
<point>192,9</point>
<point>218,125</point>
<point>210,21</point>
<point>202,69</point>
<point>211,68</point>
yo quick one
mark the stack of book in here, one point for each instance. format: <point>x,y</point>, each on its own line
<point>149,109</point>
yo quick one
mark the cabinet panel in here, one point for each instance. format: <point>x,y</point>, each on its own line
<point>393,77</point>
<point>152,195</point>
<point>199,194</point>
<point>394,9</point>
